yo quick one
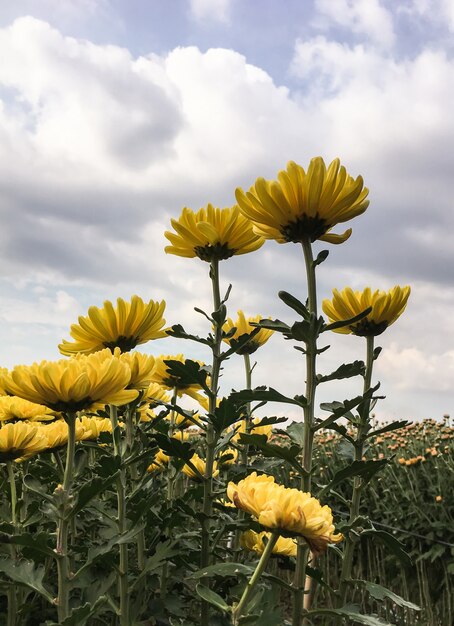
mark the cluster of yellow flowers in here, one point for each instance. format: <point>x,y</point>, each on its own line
<point>290,512</point>
<point>21,440</point>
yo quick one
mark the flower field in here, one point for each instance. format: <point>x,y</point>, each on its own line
<point>134,494</point>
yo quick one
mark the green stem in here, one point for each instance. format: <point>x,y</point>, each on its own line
<point>308,432</point>
<point>364,413</point>
<point>121,521</point>
<point>248,371</point>
<point>211,438</point>
<point>12,591</point>
<point>261,565</point>
<point>170,488</point>
<point>64,493</point>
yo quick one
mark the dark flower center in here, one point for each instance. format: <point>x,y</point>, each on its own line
<point>303,227</point>
<point>218,252</point>
<point>71,406</point>
<point>126,344</point>
<point>368,328</point>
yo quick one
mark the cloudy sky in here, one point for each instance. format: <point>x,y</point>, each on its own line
<point>115,114</point>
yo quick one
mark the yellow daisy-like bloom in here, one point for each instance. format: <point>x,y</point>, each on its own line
<point>254,541</point>
<point>124,326</point>
<point>304,205</point>
<point>162,377</point>
<point>141,366</point>
<point>243,327</point>
<point>94,426</point>
<point>266,430</point>
<point>72,384</point>
<point>387,306</point>
<point>56,433</point>
<point>289,511</point>
<point>160,462</point>
<point>200,465</point>
<point>228,457</point>
<point>3,372</point>
<point>13,408</point>
<point>212,234</point>
<point>20,441</point>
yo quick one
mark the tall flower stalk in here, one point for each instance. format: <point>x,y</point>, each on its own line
<point>13,590</point>
<point>358,483</point>
<point>210,435</point>
<point>302,556</point>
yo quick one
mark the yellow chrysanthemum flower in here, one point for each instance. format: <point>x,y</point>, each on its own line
<point>289,511</point>
<point>3,372</point>
<point>20,441</point>
<point>266,430</point>
<point>387,306</point>
<point>228,457</point>
<point>163,377</point>
<point>56,433</point>
<point>160,462</point>
<point>72,384</point>
<point>124,326</point>
<point>94,426</point>
<point>200,465</point>
<point>212,234</point>
<point>304,205</point>
<point>243,327</point>
<point>13,408</point>
<point>255,542</point>
<point>141,366</point>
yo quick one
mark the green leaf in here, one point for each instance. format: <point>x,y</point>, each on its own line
<point>272,450</point>
<point>365,469</point>
<point>277,325</point>
<point>163,552</point>
<point>321,256</point>
<point>25,573</point>
<point>385,429</point>
<point>394,545</point>
<point>179,332</point>
<point>237,344</point>
<point>174,447</point>
<point>38,542</point>
<point>227,413</point>
<point>187,373</point>
<point>31,483</point>
<point>90,490</point>
<point>348,322</point>
<point>347,370</point>
<point>212,597</point>
<point>264,394</point>
<point>223,569</point>
<point>340,409</point>
<point>296,432</point>
<point>80,614</point>
<point>353,617</point>
<point>294,304</point>
<point>380,593</point>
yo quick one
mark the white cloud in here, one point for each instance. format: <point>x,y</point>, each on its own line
<point>363,17</point>
<point>216,10</point>
<point>101,148</point>
<point>440,12</point>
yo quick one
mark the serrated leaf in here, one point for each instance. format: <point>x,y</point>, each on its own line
<point>38,542</point>
<point>295,431</point>
<point>90,490</point>
<point>163,552</point>
<point>188,373</point>
<point>80,614</point>
<point>25,573</point>
<point>174,447</point>
<point>365,469</point>
<point>264,394</point>
<point>179,332</point>
<point>356,618</point>
<point>271,450</point>
<point>31,483</point>
<point>340,409</point>
<point>347,370</point>
<point>212,598</point>
<point>380,593</point>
